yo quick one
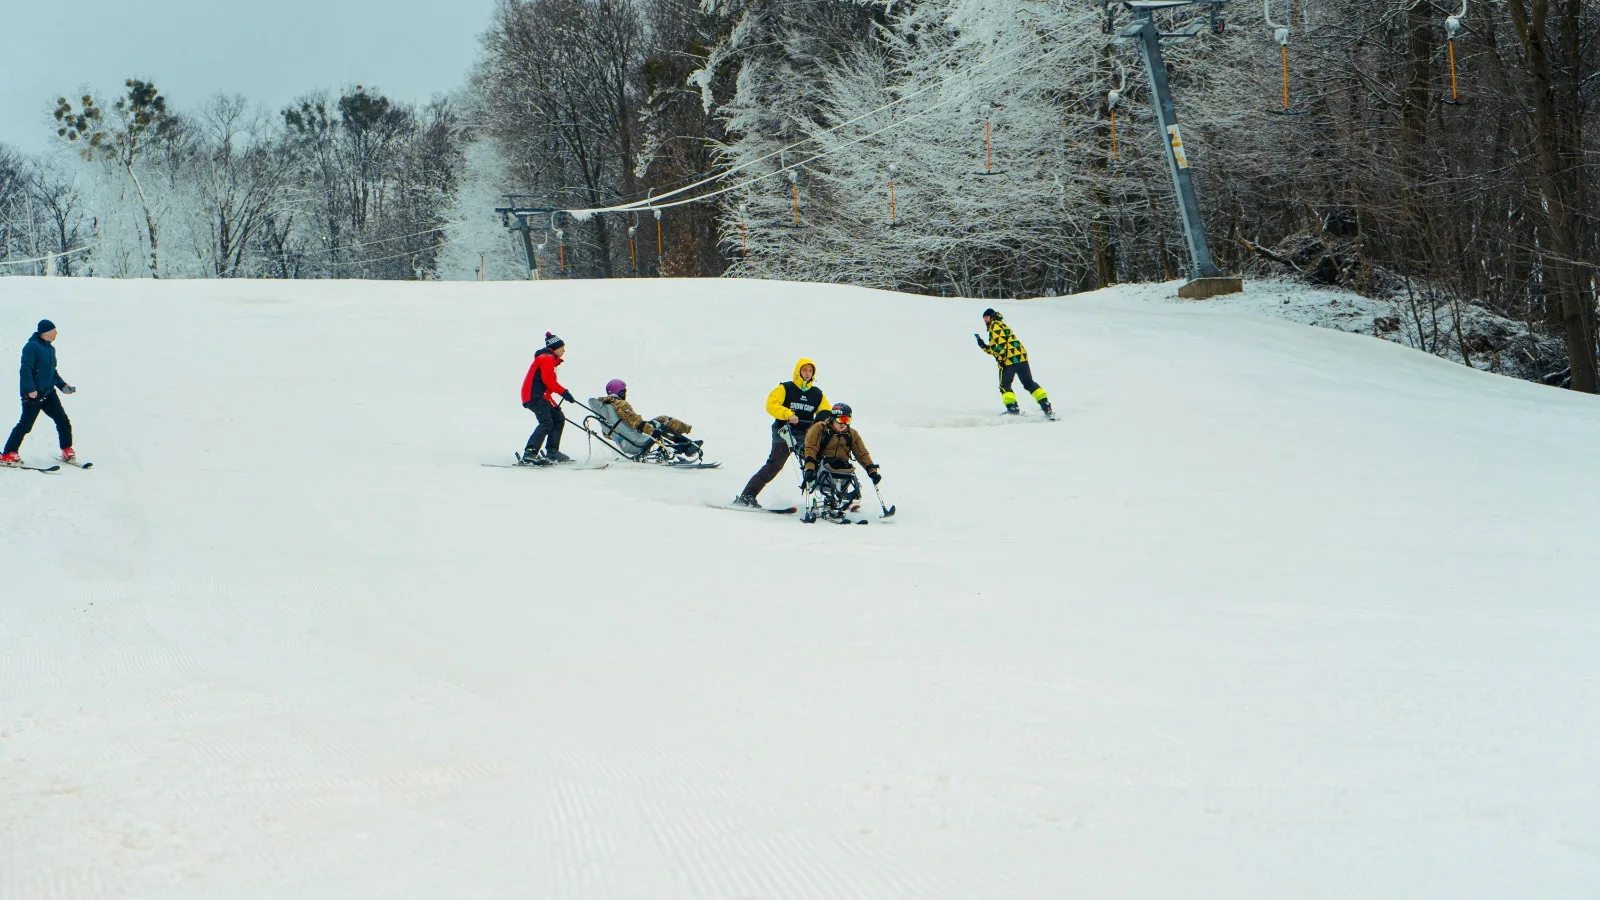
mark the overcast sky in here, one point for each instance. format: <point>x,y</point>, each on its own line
<point>270,52</point>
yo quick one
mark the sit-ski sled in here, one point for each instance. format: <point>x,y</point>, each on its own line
<point>835,496</point>
<point>667,449</point>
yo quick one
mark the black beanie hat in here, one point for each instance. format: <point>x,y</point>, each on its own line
<point>551,342</point>
<point>46,325</point>
<point>990,313</point>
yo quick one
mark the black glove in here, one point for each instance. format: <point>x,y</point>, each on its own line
<point>873,474</point>
<point>567,396</point>
<point>981,344</point>
<point>808,478</point>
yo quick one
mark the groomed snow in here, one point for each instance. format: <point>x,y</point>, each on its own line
<point>1272,612</point>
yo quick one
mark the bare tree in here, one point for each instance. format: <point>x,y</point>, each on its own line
<point>1552,39</point>
<point>59,204</point>
<point>240,170</point>
<point>561,80</point>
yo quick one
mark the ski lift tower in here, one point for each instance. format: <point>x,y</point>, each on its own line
<point>1205,279</point>
<point>520,217</point>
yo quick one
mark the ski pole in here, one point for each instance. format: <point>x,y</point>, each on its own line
<point>797,453</point>
<point>887,509</point>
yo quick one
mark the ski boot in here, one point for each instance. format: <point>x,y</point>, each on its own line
<point>11,459</point>
<point>746,500</point>
<point>68,455</point>
<point>531,458</point>
<point>1047,409</point>
<point>556,456</point>
<point>1013,410</point>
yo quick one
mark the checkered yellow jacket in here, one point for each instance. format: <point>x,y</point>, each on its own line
<point>1003,344</point>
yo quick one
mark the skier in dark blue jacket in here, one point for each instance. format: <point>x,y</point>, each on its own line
<point>39,384</point>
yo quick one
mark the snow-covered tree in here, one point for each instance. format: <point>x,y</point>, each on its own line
<point>131,139</point>
<point>479,238</point>
<point>974,110</point>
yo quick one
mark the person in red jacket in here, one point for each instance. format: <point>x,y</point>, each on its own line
<point>542,394</point>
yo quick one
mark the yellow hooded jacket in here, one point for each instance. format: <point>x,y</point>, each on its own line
<point>798,397</point>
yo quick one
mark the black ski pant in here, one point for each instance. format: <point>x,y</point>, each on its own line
<point>1023,372</point>
<point>775,460</point>
<point>50,405</point>
<point>548,434</point>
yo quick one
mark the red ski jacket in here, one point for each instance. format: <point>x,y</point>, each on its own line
<point>541,379</point>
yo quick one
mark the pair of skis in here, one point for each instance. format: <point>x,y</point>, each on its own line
<point>56,468</point>
<point>542,463</point>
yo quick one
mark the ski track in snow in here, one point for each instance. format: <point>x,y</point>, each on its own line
<point>1270,612</point>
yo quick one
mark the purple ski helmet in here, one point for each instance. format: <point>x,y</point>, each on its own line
<point>616,387</point>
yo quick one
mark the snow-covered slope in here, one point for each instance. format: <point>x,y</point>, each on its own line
<point>1272,612</point>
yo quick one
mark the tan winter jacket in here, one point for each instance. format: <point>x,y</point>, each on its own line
<point>835,447</point>
<point>635,421</point>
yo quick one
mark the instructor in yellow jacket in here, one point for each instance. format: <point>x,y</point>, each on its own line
<point>794,406</point>
<point>1012,358</point>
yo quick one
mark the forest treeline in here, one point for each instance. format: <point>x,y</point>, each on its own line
<point>1431,153</point>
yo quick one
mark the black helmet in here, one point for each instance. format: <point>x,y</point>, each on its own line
<point>990,313</point>
<point>841,412</point>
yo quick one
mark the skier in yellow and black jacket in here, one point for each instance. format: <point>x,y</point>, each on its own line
<point>1012,358</point>
<point>794,406</point>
